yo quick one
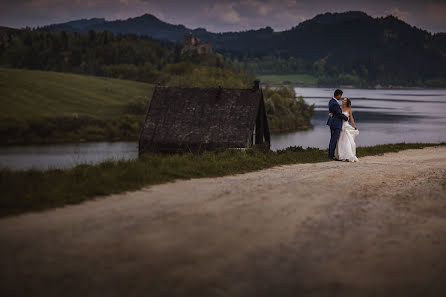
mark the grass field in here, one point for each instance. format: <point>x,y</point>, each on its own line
<point>303,80</point>
<point>30,94</point>
<point>36,190</point>
<point>49,107</point>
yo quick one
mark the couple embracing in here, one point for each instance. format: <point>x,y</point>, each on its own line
<point>342,142</point>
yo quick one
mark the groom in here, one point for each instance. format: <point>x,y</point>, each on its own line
<point>335,122</point>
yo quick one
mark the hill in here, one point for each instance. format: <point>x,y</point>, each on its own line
<point>35,94</point>
<point>43,106</point>
<point>126,56</point>
<point>146,25</point>
<point>349,47</point>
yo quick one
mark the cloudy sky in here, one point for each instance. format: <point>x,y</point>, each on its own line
<point>219,15</point>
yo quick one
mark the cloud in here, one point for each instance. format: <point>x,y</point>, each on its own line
<point>436,12</point>
<point>231,17</point>
<point>251,14</point>
<point>223,11</point>
<point>42,12</point>
<point>395,11</point>
<point>218,15</point>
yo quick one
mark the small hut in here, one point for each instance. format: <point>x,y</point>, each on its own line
<point>196,119</point>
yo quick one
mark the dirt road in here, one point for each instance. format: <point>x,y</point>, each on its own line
<point>373,228</point>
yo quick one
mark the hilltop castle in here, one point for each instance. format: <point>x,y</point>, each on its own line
<point>193,44</point>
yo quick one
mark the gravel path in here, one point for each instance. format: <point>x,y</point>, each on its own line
<point>373,228</point>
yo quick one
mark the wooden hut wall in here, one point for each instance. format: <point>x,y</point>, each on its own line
<point>262,135</point>
<point>191,119</point>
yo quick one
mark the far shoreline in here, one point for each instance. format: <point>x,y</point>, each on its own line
<point>308,81</point>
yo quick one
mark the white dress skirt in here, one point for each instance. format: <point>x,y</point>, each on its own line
<point>346,146</point>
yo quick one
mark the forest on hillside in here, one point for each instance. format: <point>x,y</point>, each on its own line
<point>125,56</point>
<point>349,48</point>
<point>336,48</point>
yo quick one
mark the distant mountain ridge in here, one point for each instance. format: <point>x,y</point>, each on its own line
<point>352,42</point>
<point>146,25</point>
<point>344,26</point>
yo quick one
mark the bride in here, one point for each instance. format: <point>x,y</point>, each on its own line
<point>346,147</point>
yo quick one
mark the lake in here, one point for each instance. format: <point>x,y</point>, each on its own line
<point>382,116</point>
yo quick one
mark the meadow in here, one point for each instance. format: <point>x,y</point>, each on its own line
<point>29,94</point>
<point>43,106</point>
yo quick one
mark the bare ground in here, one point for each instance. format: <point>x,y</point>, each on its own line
<point>373,228</point>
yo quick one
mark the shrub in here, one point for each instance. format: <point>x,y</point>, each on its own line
<point>285,111</point>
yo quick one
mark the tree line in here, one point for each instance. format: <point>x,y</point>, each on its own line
<point>125,56</point>
<point>337,48</point>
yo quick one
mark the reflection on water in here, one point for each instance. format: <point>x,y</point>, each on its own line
<point>65,155</point>
<point>382,116</point>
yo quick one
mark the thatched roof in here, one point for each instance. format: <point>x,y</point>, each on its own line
<point>201,118</point>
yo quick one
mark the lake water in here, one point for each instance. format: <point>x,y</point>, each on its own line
<point>382,116</point>
<point>65,155</point>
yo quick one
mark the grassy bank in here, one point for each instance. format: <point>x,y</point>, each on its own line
<point>28,94</point>
<point>29,190</point>
<point>43,106</point>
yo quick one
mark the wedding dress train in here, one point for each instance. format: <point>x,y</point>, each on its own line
<point>346,147</point>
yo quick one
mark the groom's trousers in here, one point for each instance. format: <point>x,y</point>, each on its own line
<point>335,132</point>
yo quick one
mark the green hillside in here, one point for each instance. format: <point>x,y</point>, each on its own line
<point>41,107</point>
<point>29,94</point>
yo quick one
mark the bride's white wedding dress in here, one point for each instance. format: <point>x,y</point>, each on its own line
<point>346,147</point>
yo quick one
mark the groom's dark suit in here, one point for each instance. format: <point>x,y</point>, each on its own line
<point>335,122</point>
